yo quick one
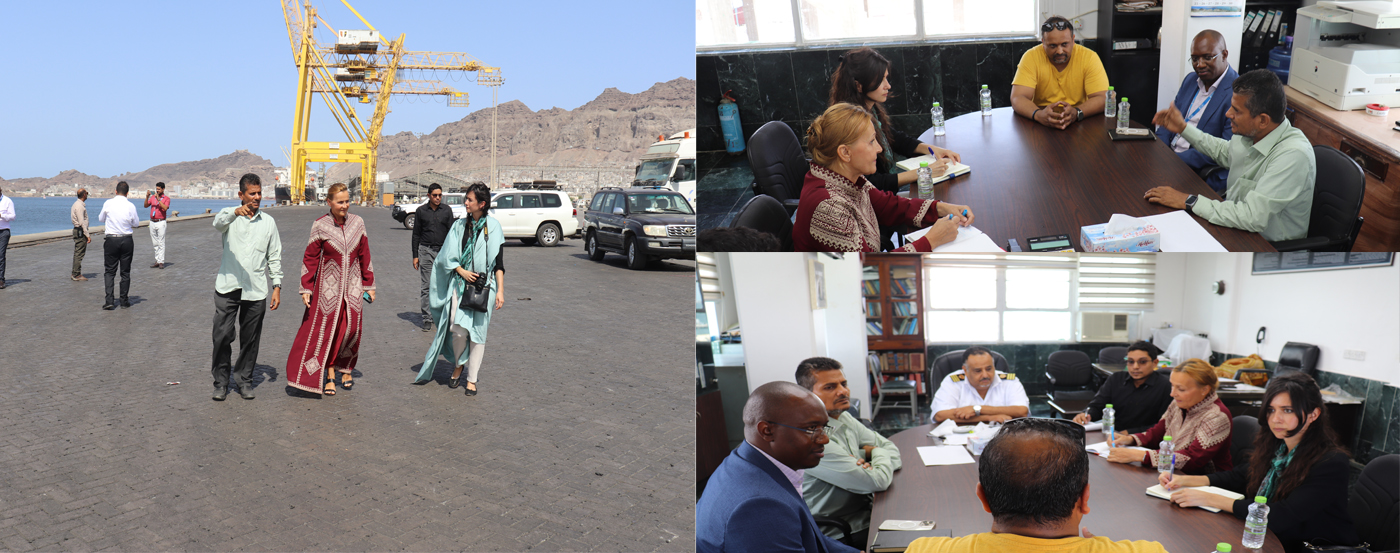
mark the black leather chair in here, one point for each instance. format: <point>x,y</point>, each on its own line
<point>1243,429</point>
<point>778,163</point>
<point>1374,504</point>
<point>1295,356</point>
<point>1113,354</point>
<point>951,362</point>
<point>1071,378</point>
<point>841,525</point>
<point>766,214</point>
<point>1336,207</point>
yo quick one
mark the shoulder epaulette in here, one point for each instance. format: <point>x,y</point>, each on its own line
<point>958,377</point>
<point>1007,376</point>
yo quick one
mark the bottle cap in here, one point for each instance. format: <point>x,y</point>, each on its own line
<point>1110,406</point>
<point>984,86</point>
<point>1110,88</point>
<point>1222,547</point>
<point>1166,437</point>
<point>1125,98</point>
<point>935,104</point>
<point>1260,499</point>
<point>923,164</point>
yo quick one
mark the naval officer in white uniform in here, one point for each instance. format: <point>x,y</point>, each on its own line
<point>979,392</point>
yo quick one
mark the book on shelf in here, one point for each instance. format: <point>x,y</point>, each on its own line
<point>870,287</point>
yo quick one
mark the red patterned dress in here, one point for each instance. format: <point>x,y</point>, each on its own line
<point>336,271</point>
<point>1200,437</point>
<point>837,215</point>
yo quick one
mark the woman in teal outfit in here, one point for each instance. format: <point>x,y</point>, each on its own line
<point>472,251</point>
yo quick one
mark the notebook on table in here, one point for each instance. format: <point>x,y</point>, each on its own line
<point>1160,492</point>
<point>898,540</point>
<point>955,169</point>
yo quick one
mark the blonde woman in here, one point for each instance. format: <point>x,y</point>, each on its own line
<point>336,273</point>
<point>840,211</point>
<point>1197,421</point>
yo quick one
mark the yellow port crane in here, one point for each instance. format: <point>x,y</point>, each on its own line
<point>364,67</point>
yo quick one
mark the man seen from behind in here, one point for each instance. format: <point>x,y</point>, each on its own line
<point>119,216</point>
<point>7,214</point>
<point>252,253</point>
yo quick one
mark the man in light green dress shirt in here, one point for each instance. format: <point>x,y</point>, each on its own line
<point>1272,168</point>
<point>252,255</point>
<point>857,461</point>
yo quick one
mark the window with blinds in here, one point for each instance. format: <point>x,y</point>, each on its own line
<point>1011,297</point>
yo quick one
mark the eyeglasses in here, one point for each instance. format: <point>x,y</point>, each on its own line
<point>438,195</point>
<point>1143,361</point>
<point>1055,25</point>
<point>811,433</point>
<point>1197,59</point>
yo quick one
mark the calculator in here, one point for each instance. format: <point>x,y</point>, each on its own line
<point>1051,243</point>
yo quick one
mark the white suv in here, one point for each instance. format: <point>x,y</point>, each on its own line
<point>543,216</point>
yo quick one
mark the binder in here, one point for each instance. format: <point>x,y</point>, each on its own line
<point>1264,29</point>
<point>1256,18</point>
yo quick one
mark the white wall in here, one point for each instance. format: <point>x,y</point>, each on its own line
<point>780,328</point>
<point>1178,30</point>
<point>1167,307</point>
<point>1351,309</point>
<point>1086,11</point>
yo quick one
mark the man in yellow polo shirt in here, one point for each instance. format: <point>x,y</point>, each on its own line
<point>1058,82</point>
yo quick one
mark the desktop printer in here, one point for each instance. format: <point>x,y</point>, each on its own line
<point>1347,54</point>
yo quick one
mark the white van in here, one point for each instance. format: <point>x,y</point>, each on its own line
<point>670,163</point>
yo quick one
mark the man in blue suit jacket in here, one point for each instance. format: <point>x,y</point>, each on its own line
<point>1203,99</point>
<point>753,501</point>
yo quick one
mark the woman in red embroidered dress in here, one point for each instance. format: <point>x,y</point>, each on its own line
<point>840,211</point>
<point>335,272</point>
<point>1197,421</point>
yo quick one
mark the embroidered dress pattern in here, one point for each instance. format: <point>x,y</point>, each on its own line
<point>1199,435</point>
<point>336,270</point>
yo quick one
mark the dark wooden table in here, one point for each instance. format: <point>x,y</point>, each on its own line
<point>1029,180</point>
<point>1118,507</point>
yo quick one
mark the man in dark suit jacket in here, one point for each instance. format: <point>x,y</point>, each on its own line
<point>1203,99</point>
<point>753,501</point>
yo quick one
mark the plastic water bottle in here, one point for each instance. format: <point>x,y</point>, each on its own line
<point>925,181</point>
<point>1256,524</point>
<point>1222,548</point>
<point>1123,114</point>
<point>986,101</point>
<point>1166,457</point>
<point>1108,419</point>
<point>938,126</point>
<point>1110,105</point>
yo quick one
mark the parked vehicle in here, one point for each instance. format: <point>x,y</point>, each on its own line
<point>535,216</point>
<point>644,223</point>
<point>670,163</point>
<point>404,213</point>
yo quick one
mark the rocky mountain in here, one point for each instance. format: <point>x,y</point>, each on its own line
<point>227,168</point>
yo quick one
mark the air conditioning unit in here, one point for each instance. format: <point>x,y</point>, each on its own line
<point>1104,327</point>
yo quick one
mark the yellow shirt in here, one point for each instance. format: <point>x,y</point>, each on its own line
<point>1083,76</point>
<point>991,543</point>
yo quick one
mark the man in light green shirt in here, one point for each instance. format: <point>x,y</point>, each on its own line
<point>1272,168</point>
<point>252,254</point>
<point>856,463</point>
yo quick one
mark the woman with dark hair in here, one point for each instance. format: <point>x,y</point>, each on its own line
<point>862,78</point>
<point>336,274</point>
<point>1297,465</point>
<point>470,255</point>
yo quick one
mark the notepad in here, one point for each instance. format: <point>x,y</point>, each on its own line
<point>944,455</point>
<point>1160,492</point>
<point>969,240</point>
<point>1101,448</point>
<point>955,169</point>
<point>1181,233</point>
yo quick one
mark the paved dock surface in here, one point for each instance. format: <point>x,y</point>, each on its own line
<point>581,438</point>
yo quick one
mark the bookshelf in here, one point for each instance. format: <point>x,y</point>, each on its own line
<point>1270,20</point>
<point>892,290</point>
<point>1132,72</point>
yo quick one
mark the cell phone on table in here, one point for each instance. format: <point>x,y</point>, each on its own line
<point>367,298</point>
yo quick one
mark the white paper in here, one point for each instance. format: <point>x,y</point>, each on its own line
<point>1093,426</point>
<point>956,439</point>
<point>943,429</point>
<point>944,455</point>
<point>1100,449</point>
<point>969,240</point>
<point>1159,492</point>
<point>1181,233</point>
<point>916,525</point>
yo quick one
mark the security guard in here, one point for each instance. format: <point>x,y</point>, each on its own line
<point>979,392</point>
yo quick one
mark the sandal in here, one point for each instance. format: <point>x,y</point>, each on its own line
<point>330,387</point>
<point>346,382</point>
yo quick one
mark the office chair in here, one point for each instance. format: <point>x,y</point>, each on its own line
<point>843,526</point>
<point>767,214</point>
<point>1337,193</point>
<point>778,164</point>
<point>1295,356</point>
<point>1071,378</point>
<point>1243,428</point>
<point>1116,355</point>
<point>891,388</point>
<point>1374,503</point>
<point>950,363</point>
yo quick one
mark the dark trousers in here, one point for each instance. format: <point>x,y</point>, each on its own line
<point>426,256</point>
<point>4,245</point>
<point>79,250</point>
<point>117,250</point>
<point>229,308</point>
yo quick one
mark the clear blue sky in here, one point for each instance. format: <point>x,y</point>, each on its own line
<point>110,87</point>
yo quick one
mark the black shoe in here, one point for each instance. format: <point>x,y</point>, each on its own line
<point>427,326</point>
<point>453,382</point>
<point>108,306</point>
<point>247,393</point>
<point>2,285</point>
<point>126,303</point>
<point>219,395</point>
<point>471,392</point>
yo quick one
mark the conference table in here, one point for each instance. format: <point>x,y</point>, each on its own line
<point>1029,180</point>
<point>1118,507</point>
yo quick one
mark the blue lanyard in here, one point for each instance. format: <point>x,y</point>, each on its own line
<point>1200,107</point>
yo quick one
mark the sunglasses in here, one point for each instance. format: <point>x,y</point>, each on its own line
<point>1056,26</point>
<point>1059,426</point>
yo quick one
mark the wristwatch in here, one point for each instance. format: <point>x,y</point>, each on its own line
<point>1190,202</point>
<point>977,409</point>
<point>1080,117</point>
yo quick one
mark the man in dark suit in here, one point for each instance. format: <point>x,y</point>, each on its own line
<point>1203,99</point>
<point>753,501</point>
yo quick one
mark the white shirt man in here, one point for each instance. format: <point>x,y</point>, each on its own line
<point>119,216</point>
<point>980,393</point>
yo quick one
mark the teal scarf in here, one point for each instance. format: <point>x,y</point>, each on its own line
<point>1281,459</point>
<point>470,247</point>
<point>885,146</point>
